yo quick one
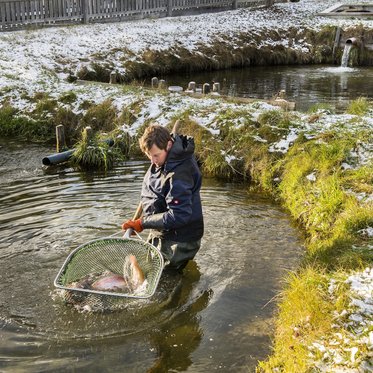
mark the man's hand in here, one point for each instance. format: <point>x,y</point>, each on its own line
<point>136,225</point>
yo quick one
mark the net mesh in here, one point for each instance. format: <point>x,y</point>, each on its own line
<point>108,255</point>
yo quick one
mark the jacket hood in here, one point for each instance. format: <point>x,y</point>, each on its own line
<point>182,148</point>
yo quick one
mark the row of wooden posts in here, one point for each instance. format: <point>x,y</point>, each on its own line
<point>192,87</point>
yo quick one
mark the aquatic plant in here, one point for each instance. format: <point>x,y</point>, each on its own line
<point>93,153</point>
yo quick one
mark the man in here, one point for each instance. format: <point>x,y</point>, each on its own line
<point>170,197</point>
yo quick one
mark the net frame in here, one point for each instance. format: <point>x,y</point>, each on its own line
<point>149,258</point>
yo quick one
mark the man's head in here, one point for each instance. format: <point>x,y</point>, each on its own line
<point>156,143</point>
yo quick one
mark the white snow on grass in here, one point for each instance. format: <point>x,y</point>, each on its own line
<point>39,60</point>
<point>350,348</point>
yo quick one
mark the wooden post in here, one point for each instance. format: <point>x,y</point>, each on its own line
<point>235,4</point>
<point>162,84</point>
<point>113,77</point>
<point>155,82</point>
<point>206,89</point>
<point>216,87</point>
<point>169,8</point>
<point>60,138</point>
<point>192,86</point>
<point>85,11</point>
<point>337,39</point>
<point>87,134</point>
<point>281,94</point>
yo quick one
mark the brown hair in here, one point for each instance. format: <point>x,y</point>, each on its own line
<point>154,135</point>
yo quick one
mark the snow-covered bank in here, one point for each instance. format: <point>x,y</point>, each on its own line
<point>40,60</point>
<point>350,348</point>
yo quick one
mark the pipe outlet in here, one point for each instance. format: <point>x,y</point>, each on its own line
<point>351,41</point>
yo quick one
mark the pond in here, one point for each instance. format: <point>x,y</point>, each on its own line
<point>217,316</point>
<point>305,85</point>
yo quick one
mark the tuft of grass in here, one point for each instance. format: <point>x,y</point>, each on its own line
<point>358,180</point>
<point>100,117</point>
<point>270,118</point>
<point>123,144</point>
<point>68,97</point>
<point>45,107</point>
<point>321,107</point>
<point>99,72</point>
<point>360,106</point>
<point>93,153</point>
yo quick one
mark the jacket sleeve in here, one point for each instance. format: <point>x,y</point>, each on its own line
<point>179,205</point>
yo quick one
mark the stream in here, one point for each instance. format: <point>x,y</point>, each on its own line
<point>306,85</point>
<point>217,316</point>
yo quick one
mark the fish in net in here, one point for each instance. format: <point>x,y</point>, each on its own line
<point>106,274</point>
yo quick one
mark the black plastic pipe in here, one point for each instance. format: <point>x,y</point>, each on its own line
<point>57,157</point>
<point>64,156</point>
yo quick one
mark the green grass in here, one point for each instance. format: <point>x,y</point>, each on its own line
<point>14,124</point>
<point>93,153</point>
<point>304,303</point>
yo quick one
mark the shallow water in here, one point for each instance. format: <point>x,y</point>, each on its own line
<point>305,85</point>
<point>217,316</point>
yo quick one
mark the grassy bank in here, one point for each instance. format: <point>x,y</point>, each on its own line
<point>287,46</point>
<point>318,164</point>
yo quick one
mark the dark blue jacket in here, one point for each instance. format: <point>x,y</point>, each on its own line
<point>171,195</point>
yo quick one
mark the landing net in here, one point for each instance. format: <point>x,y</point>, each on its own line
<point>108,255</point>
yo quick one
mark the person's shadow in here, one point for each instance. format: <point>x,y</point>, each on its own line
<point>176,339</point>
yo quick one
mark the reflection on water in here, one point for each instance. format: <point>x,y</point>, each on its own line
<point>215,316</point>
<point>305,85</point>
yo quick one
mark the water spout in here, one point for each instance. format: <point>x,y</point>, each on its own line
<point>346,52</point>
<point>346,55</point>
